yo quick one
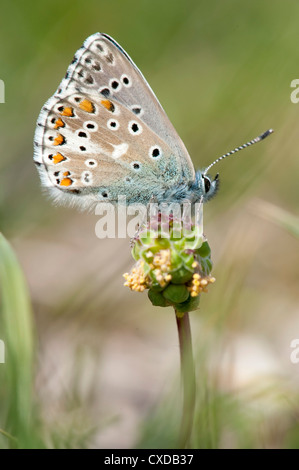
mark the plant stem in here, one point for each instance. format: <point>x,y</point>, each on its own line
<point>187,378</point>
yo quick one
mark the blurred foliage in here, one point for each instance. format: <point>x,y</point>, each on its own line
<point>18,336</point>
<point>105,363</point>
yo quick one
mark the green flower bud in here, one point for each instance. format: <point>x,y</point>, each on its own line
<point>175,270</point>
<point>204,251</point>
<point>189,305</point>
<point>157,299</point>
<point>181,276</point>
<point>176,294</point>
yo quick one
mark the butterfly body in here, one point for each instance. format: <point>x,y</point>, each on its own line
<point>104,134</point>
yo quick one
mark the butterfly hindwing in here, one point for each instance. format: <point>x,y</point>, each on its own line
<point>81,150</point>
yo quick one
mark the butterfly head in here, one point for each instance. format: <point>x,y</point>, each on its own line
<point>205,185</point>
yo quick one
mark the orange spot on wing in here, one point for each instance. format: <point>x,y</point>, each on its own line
<point>66,173</point>
<point>66,182</point>
<point>87,106</point>
<point>68,111</point>
<point>108,105</point>
<point>58,158</point>
<point>59,123</point>
<point>59,140</point>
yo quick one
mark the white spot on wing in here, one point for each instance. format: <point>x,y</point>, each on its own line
<point>119,150</point>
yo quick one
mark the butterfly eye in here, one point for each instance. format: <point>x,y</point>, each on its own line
<point>208,188</point>
<point>207,183</point>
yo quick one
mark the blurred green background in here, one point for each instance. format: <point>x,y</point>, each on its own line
<point>91,364</point>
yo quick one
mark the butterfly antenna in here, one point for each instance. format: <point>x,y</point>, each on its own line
<point>237,149</point>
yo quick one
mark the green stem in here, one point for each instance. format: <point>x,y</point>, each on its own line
<point>187,377</point>
<point>9,436</point>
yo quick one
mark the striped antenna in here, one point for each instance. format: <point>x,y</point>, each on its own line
<point>237,149</point>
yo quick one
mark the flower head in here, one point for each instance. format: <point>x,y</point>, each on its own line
<point>174,269</point>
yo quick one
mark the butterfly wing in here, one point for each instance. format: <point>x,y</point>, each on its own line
<point>104,132</point>
<point>91,146</point>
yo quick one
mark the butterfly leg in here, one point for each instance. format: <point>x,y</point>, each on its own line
<point>151,211</point>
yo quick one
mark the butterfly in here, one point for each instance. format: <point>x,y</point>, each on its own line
<point>104,134</point>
